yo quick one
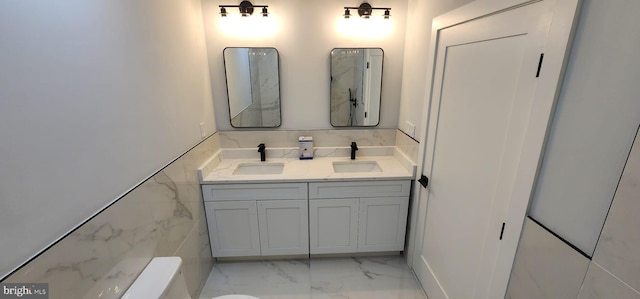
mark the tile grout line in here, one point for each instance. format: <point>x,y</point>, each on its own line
<point>617,278</point>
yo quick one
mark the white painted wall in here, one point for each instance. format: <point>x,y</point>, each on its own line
<point>94,97</point>
<point>416,57</point>
<point>306,34</point>
<point>594,126</point>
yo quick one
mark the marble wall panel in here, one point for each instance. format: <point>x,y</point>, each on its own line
<point>204,250</point>
<point>102,252</point>
<point>172,215</point>
<point>163,216</point>
<point>194,263</point>
<point>600,284</point>
<point>321,138</point>
<point>545,267</point>
<point>618,249</point>
<point>407,145</point>
<point>614,271</point>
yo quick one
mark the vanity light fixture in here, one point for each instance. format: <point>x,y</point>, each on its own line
<point>246,9</point>
<point>365,9</point>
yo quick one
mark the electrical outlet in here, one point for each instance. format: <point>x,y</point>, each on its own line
<point>203,130</point>
<point>411,129</point>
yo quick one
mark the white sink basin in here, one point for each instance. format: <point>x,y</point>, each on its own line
<point>258,168</point>
<point>356,166</point>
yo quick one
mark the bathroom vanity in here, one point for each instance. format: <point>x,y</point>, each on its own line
<point>286,206</point>
<point>358,216</point>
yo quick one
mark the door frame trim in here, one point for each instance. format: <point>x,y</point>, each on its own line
<point>556,49</point>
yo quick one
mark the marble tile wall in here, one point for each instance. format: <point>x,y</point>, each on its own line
<point>321,138</point>
<point>615,271</point>
<point>559,276</point>
<point>164,216</point>
<point>407,145</point>
<point>600,284</point>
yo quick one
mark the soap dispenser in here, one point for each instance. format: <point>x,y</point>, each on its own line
<point>305,152</point>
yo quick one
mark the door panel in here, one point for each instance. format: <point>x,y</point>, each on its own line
<point>233,228</point>
<point>382,224</point>
<point>470,147</point>
<point>333,225</point>
<point>481,116</point>
<point>284,227</point>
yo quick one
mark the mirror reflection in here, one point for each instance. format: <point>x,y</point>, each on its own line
<point>253,87</point>
<point>356,84</point>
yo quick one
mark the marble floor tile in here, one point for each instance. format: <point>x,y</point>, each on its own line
<point>318,278</point>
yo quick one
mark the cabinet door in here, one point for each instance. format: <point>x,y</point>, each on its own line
<point>284,227</point>
<point>382,224</point>
<point>233,228</point>
<point>333,225</point>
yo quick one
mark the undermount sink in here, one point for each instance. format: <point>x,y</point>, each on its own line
<point>258,168</point>
<point>356,166</point>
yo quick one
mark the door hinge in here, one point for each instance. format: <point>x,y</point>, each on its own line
<point>502,230</point>
<point>367,64</point>
<point>424,181</point>
<point>539,65</point>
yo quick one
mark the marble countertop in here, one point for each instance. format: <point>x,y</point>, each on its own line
<point>393,165</point>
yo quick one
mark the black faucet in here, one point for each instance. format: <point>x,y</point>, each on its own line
<point>354,148</point>
<point>262,152</point>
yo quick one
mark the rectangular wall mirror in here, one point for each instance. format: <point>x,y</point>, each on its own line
<point>253,87</point>
<point>356,85</point>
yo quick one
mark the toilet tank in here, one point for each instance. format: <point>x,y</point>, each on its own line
<point>161,279</point>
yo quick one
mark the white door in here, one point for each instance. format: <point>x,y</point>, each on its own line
<point>284,227</point>
<point>333,225</point>
<point>489,110</point>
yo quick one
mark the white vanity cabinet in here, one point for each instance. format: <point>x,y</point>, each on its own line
<point>283,226</point>
<point>359,216</point>
<point>270,219</point>
<point>233,228</point>
<point>257,219</point>
<point>333,225</point>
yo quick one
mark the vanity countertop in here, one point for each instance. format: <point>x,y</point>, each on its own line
<point>393,165</point>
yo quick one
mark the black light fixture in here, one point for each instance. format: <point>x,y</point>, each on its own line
<point>246,9</point>
<point>365,9</point>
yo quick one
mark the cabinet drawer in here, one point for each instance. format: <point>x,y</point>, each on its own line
<point>254,191</point>
<point>359,189</point>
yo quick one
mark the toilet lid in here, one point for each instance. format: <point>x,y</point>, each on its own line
<point>235,297</point>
